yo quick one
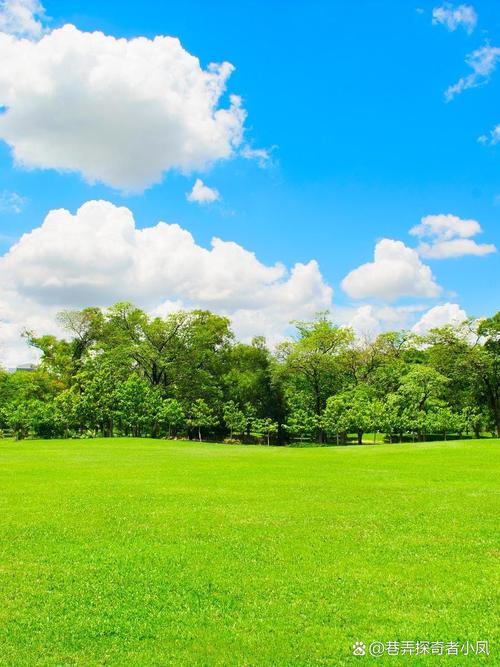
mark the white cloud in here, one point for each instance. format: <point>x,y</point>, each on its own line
<point>119,111</point>
<point>262,155</point>
<point>202,194</point>
<point>98,256</point>
<point>445,227</point>
<point>369,320</point>
<point>11,202</point>
<point>492,138</point>
<point>447,313</point>
<point>395,272</point>
<point>17,315</point>
<point>450,237</point>
<point>455,248</point>
<point>455,16</point>
<point>483,62</point>
<point>21,17</point>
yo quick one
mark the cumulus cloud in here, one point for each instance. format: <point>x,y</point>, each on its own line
<point>445,227</point>
<point>21,17</point>
<point>483,62</point>
<point>118,111</point>
<point>18,314</point>
<point>11,202</point>
<point>396,272</point>
<point>454,17</point>
<point>447,313</point>
<point>369,320</point>
<point>98,256</point>
<point>450,237</point>
<point>455,248</point>
<point>202,194</point>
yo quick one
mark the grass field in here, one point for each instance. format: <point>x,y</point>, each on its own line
<point>151,553</point>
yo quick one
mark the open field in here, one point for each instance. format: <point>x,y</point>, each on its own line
<point>153,553</point>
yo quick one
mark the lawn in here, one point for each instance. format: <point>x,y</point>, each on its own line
<point>151,553</point>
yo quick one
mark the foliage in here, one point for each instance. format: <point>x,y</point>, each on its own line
<point>202,417</point>
<point>122,372</point>
<point>234,419</point>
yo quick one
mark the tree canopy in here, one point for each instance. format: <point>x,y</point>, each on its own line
<point>121,371</point>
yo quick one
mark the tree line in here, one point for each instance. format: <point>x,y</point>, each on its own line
<point>120,371</point>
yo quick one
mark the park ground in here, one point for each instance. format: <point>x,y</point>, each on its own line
<point>133,552</point>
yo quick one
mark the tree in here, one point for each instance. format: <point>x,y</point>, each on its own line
<point>172,414</point>
<point>264,427</point>
<point>441,419</point>
<point>120,370</point>
<point>67,406</point>
<point>44,419</point>
<point>420,388</point>
<point>392,416</point>
<point>56,356</point>
<point>360,412</point>
<point>469,356</point>
<point>335,419</point>
<point>353,410</point>
<point>136,406</point>
<point>487,364</point>
<point>249,379</point>
<point>97,404</point>
<point>20,420</point>
<point>312,364</point>
<point>302,424</point>
<point>184,351</point>
<point>202,416</point>
<point>234,419</point>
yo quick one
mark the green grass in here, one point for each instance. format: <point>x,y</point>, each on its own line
<point>150,553</point>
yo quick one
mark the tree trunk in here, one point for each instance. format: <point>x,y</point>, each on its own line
<point>199,433</point>
<point>360,437</point>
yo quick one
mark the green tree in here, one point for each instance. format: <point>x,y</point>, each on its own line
<point>172,415</point>
<point>201,417</point>
<point>68,412</point>
<point>313,364</point>
<point>336,418</point>
<point>20,420</point>
<point>265,428</point>
<point>441,419</point>
<point>136,406</point>
<point>487,364</point>
<point>249,379</point>
<point>302,424</point>
<point>97,382</point>
<point>234,419</point>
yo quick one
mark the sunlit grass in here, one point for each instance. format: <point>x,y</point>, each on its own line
<point>142,552</point>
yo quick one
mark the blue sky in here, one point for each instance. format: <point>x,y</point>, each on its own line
<point>348,99</point>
